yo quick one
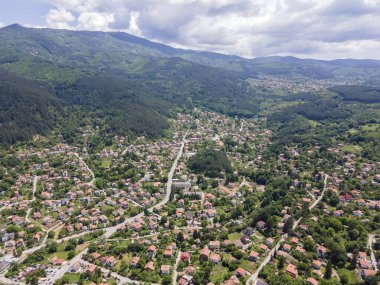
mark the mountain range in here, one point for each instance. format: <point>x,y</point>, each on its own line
<point>134,84</point>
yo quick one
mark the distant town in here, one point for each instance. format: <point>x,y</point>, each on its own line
<point>302,84</point>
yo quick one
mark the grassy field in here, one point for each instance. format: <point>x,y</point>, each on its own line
<point>371,127</point>
<point>353,131</point>
<point>126,258</point>
<point>352,149</point>
<point>248,265</point>
<point>56,231</point>
<point>312,123</point>
<point>81,247</point>
<point>234,236</point>
<point>217,274</point>
<point>106,163</point>
<point>257,237</point>
<point>71,278</point>
<point>348,276</point>
<point>371,130</point>
<point>61,253</point>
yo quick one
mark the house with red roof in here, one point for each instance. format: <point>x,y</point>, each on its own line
<point>240,272</point>
<point>205,253</point>
<point>185,256</point>
<point>291,269</point>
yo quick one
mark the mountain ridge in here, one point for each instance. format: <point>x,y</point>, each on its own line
<point>171,51</point>
<point>134,84</point>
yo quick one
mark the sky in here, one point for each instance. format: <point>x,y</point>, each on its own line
<point>321,29</point>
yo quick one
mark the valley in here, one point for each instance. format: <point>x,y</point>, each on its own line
<point>125,161</point>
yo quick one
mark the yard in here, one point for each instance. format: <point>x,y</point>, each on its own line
<point>106,164</point>
<point>348,277</point>
<point>234,236</point>
<point>217,274</point>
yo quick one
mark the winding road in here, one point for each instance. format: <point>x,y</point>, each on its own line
<point>175,272</point>
<point>170,176</point>
<point>253,278</point>
<point>111,230</point>
<point>35,181</point>
<point>88,168</point>
<point>371,241</point>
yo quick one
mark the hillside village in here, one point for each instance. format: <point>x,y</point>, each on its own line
<point>211,204</point>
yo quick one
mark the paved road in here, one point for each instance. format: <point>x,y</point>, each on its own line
<point>111,230</point>
<point>241,127</point>
<point>44,241</point>
<point>137,238</point>
<point>124,151</point>
<point>175,272</point>
<point>188,228</point>
<point>76,235</point>
<point>10,206</point>
<point>253,278</point>
<point>35,181</point>
<point>311,195</point>
<point>26,252</point>
<point>88,168</point>
<point>371,241</point>
<point>170,177</point>
<point>64,268</point>
<point>4,280</point>
<point>321,196</point>
<point>50,152</point>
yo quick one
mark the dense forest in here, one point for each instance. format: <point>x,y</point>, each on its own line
<point>363,94</point>
<point>210,162</point>
<point>125,105</point>
<point>26,109</point>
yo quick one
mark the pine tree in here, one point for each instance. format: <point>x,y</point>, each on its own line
<point>180,237</point>
<point>281,262</point>
<point>328,271</point>
<point>288,225</point>
<point>354,261</point>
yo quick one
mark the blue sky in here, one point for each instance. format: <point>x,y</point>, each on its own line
<point>324,29</point>
<point>23,12</point>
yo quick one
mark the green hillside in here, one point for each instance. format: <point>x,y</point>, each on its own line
<point>134,85</point>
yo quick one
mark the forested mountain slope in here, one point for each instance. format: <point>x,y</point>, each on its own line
<point>26,108</point>
<point>134,84</point>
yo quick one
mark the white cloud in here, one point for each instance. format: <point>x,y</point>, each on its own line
<point>59,19</point>
<point>65,4</point>
<point>133,27</point>
<point>2,24</point>
<point>307,28</point>
<point>94,21</point>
